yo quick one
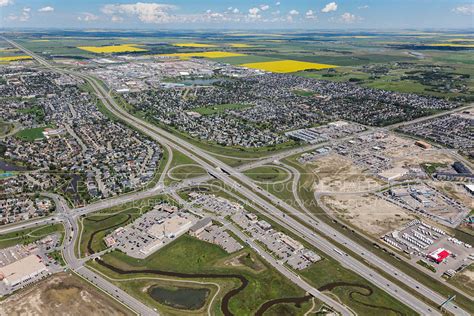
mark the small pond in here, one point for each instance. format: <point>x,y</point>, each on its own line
<point>180,297</point>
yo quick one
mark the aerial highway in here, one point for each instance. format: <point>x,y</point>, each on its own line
<point>271,206</point>
<point>340,308</point>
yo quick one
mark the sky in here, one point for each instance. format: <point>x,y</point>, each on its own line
<point>242,14</point>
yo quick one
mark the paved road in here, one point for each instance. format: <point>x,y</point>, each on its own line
<point>210,163</point>
<point>293,277</point>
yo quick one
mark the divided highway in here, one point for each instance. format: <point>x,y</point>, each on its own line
<point>267,205</point>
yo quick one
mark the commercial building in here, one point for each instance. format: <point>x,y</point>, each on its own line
<point>21,270</point>
<point>422,144</point>
<point>200,226</point>
<point>439,255</point>
<point>170,227</point>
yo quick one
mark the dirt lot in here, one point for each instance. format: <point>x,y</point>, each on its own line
<point>369,213</point>
<point>61,294</point>
<point>455,191</point>
<point>404,152</point>
<point>465,279</point>
<point>338,174</point>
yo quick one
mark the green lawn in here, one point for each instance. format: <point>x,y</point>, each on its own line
<point>29,235</point>
<point>31,134</point>
<point>303,93</point>
<point>178,160</point>
<point>216,109</point>
<point>187,171</point>
<point>354,291</point>
<point>267,174</point>
<point>190,255</point>
<point>431,167</point>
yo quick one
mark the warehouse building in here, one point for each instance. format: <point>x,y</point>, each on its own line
<point>22,270</point>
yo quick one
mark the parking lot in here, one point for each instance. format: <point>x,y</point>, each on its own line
<point>151,231</point>
<point>424,242</point>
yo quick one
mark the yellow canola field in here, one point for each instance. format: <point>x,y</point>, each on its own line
<point>124,48</point>
<point>460,40</point>
<point>216,54</point>
<point>452,45</point>
<point>285,66</point>
<point>193,45</point>
<point>14,58</point>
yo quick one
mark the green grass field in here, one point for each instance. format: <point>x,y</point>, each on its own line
<point>190,255</point>
<point>267,174</point>
<point>354,290</point>
<point>31,134</point>
<point>187,171</point>
<point>217,109</point>
<point>29,235</point>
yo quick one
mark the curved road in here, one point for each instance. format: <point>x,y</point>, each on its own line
<point>229,177</point>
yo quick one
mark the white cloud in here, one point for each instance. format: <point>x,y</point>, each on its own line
<point>253,13</point>
<point>332,6</point>
<point>264,7</point>
<point>4,3</point>
<point>116,18</point>
<point>293,12</point>
<point>310,14</point>
<point>145,12</point>
<point>46,9</point>
<point>348,18</point>
<point>467,9</point>
<point>277,3</point>
<point>87,17</point>
<point>23,17</point>
<point>363,7</point>
<point>235,11</point>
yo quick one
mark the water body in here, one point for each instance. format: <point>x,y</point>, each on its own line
<point>5,166</point>
<point>199,82</point>
<point>297,301</point>
<point>225,300</point>
<point>180,297</point>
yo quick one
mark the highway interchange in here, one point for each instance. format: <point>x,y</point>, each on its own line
<point>264,202</point>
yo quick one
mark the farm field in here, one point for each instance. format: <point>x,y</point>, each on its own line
<point>197,45</point>
<point>286,66</point>
<point>62,292</point>
<point>14,58</point>
<point>216,54</point>
<point>124,48</point>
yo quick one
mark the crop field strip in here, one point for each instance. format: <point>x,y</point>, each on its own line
<point>287,66</point>
<point>123,48</point>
